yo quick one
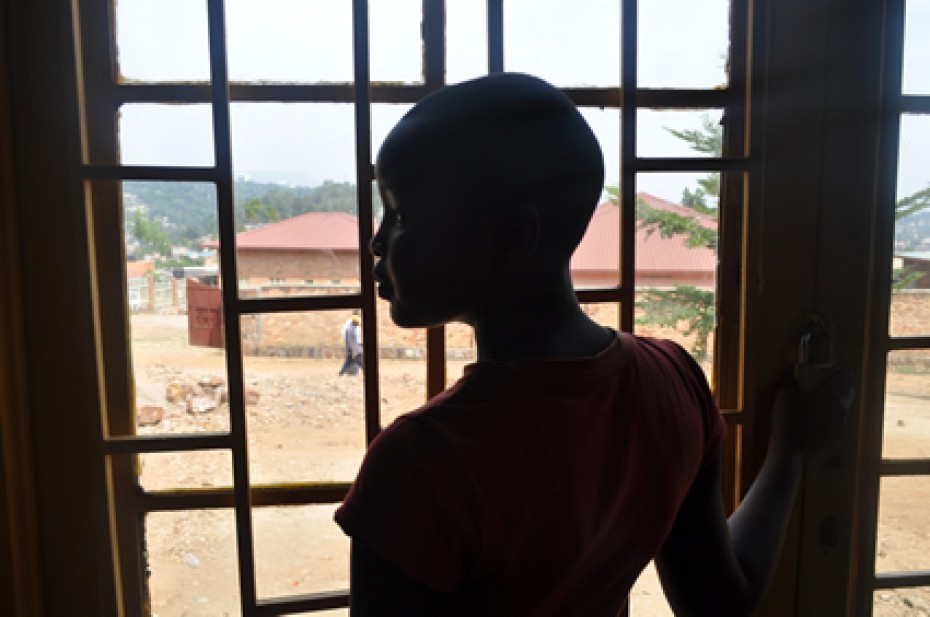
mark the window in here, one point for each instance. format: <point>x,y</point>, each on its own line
<point>894,568</point>
<point>225,414</point>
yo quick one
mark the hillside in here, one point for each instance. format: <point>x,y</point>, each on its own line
<point>187,210</point>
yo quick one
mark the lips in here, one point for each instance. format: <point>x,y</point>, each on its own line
<point>384,288</point>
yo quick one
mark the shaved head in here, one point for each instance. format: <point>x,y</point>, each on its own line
<point>502,141</point>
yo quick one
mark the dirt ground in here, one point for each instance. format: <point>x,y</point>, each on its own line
<point>307,424</point>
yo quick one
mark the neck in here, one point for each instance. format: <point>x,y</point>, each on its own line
<point>543,323</point>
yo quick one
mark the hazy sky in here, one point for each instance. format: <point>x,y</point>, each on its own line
<point>682,44</point>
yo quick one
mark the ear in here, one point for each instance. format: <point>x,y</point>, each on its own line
<point>516,235</point>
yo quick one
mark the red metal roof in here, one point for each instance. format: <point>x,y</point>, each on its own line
<point>599,250</point>
<point>332,231</point>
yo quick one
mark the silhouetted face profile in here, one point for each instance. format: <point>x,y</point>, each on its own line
<point>456,171</point>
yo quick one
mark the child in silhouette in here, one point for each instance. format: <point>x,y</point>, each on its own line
<point>569,455</point>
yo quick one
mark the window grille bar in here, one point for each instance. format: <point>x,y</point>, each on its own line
<point>674,164</point>
<point>381,92</point>
<point>893,580</point>
<point>873,388</point>
<point>434,44</point>
<point>628,79</point>
<point>902,343</point>
<point>167,443</point>
<point>364,176</point>
<point>293,304</point>
<point>495,36</point>
<point>150,172</point>
<point>302,603</point>
<point>905,467</point>
<point>227,229</point>
<point>224,497</point>
<point>915,104</point>
<point>592,296</point>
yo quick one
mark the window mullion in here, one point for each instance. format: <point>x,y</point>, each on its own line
<point>227,231</point>
<point>628,82</point>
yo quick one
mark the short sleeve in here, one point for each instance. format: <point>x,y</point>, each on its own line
<point>714,425</point>
<point>404,506</point>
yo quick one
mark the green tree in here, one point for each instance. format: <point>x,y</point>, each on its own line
<point>150,234</point>
<point>668,308</point>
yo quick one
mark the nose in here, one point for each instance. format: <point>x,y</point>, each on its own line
<point>376,246</point>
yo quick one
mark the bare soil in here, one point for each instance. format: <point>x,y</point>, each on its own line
<point>307,424</point>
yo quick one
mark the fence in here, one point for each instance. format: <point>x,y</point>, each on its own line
<point>156,294</point>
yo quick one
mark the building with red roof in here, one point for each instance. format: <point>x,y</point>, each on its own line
<point>660,262</point>
<point>322,248</point>
<point>314,248</point>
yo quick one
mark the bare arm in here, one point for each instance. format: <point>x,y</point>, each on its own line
<point>711,566</point>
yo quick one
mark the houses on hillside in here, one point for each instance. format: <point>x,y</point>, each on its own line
<point>321,248</point>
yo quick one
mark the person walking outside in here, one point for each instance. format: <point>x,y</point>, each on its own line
<point>351,338</point>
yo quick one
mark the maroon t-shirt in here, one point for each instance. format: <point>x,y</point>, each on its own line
<point>539,487</point>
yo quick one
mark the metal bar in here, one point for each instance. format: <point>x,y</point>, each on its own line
<point>364,175</point>
<point>900,343</point>
<point>291,304</point>
<point>192,93</point>
<point>434,44</point>
<point>910,104</point>
<point>628,78</point>
<point>495,36</point>
<point>896,580</point>
<point>676,164</point>
<point>591,296</point>
<point>905,467</point>
<point>872,390</point>
<point>262,496</point>
<point>227,228</point>
<point>265,92</point>
<point>167,443</point>
<point>149,172</point>
<point>302,603</point>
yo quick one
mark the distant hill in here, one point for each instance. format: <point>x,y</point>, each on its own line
<point>187,210</point>
<point>912,233</point>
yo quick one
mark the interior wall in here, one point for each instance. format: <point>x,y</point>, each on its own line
<point>20,592</point>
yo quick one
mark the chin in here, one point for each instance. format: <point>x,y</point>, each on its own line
<point>411,317</point>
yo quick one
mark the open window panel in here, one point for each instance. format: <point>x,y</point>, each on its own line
<point>894,571</point>
<point>236,135</point>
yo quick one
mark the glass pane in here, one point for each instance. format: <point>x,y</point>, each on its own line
<point>153,134</point>
<point>903,520</point>
<point>647,598</point>
<point>910,300</point>
<point>176,50</point>
<point>296,201</point>
<point>299,550</point>
<point>193,564</point>
<point>916,78</point>
<point>161,471</point>
<point>606,126</point>
<point>175,306</point>
<point>466,40</point>
<point>907,410</point>
<point>605,313</point>
<point>679,133</point>
<point>383,118</point>
<point>683,44</point>
<point>676,259</point>
<point>901,602</point>
<point>396,45</point>
<point>289,40</point>
<point>402,370</point>
<point>557,40</point>
<point>304,418</point>
<point>596,261</point>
